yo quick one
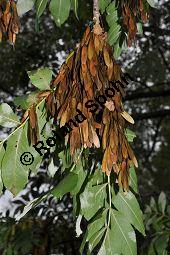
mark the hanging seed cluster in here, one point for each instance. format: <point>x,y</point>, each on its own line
<point>9,21</point>
<point>132,12</point>
<point>86,74</point>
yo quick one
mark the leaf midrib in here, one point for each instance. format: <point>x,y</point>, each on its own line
<point>122,233</point>
<point>14,172</point>
<point>40,6</point>
<point>3,116</point>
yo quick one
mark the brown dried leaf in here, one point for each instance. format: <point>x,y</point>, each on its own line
<point>91,49</point>
<point>127,117</point>
<point>106,56</point>
<point>84,55</point>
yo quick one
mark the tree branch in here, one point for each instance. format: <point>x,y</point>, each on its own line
<point>151,115</point>
<point>149,94</point>
<point>164,59</point>
<point>96,13</point>
<point>155,137</point>
<point>160,31</point>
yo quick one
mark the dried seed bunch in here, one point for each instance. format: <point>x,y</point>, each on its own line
<point>9,21</point>
<point>132,11</point>
<point>85,75</point>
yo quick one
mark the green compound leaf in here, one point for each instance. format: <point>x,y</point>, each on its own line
<point>103,4</point>
<point>129,207</point>
<point>41,78</point>
<point>65,186</point>
<point>7,117</point>
<point>60,10</point>
<point>40,6</point>
<point>24,6</point>
<point>119,238</point>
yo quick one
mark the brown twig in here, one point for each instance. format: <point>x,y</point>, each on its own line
<point>96,13</point>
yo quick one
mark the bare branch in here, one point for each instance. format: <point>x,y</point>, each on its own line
<point>149,94</point>
<point>152,115</point>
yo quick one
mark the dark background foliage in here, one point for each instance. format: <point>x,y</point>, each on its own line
<point>49,228</point>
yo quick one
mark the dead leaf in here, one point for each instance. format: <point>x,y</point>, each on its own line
<point>127,117</point>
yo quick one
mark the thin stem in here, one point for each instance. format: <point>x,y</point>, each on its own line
<point>110,201</point>
<point>13,132</point>
<point>20,125</point>
<point>75,163</point>
<point>109,209</point>
<point>96,13</point>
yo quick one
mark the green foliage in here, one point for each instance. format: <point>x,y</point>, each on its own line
<point>95,196</point>
<point>74,5</point>
<point>105,224</point>
<point>126,243</point>
<point>162,202</point>
<point>31,205</point>
<point>65,186</point>
<point>14,174</point>
<point>112,20</point>
<point>133,179</point>
<point>115,30</point>
<point>7,117</point>
<point>60,10</point>
<point>16,144</point>
<point>157,220</point>
<point>128,205</point>
<point>103,4</point>
<point>130,135</point>
<point>40,6</point>
<point>152,3</point>
<point>2,152</point>
<point>41,78</point>
<point>24,102</point>
<point>158,213</point>
<point>24,6</point>
<point>92,199</point>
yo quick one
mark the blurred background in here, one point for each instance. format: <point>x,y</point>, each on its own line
<point>50,228</point>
